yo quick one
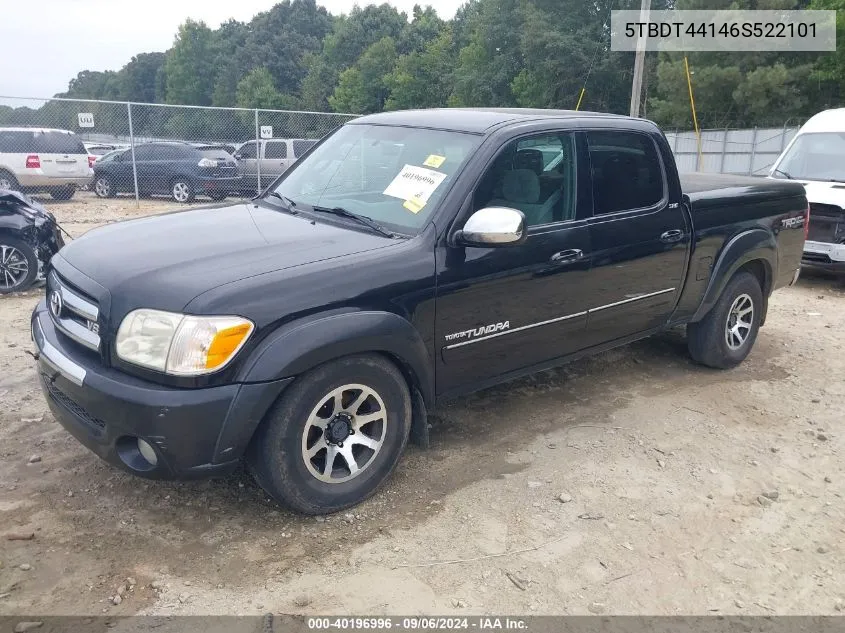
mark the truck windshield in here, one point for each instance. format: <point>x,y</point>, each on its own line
<point>393,175</point>
<point>814,156</point>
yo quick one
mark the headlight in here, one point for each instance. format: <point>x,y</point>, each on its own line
<point>180,344</point>
<point>207,162</point>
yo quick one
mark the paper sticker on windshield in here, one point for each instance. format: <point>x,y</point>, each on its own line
<point>414,183</point>
<point>414,205</point>
<point>434,160</point>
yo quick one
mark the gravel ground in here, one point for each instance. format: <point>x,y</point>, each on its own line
<point>633,482</point>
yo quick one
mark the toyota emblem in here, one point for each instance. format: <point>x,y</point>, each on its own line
<point>56,303</point>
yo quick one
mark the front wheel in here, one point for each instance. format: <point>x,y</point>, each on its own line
<point>18,265</point>
<point>724,337</point>
<point>334,436</point>
<point>182,190</point>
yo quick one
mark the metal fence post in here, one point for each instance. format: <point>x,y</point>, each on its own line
<point>753,151</point>
<point>783,136</point>
<point>724,149</point>
<point>132,150</point>
<point>257,153</point>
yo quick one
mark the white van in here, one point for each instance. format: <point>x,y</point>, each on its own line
<point>816,158</point>
<point>43,159</point>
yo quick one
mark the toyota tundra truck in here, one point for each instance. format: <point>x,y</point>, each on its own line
<point>408,258</point>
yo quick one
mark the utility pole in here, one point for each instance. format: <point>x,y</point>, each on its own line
<point>639,63</point>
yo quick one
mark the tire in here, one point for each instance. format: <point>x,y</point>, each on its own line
<point>104,187</point>
<point>182,190</point>
<point>278,452</point>
<point>62,193</point>
<point>8,181</point>
<point>721,341</point>
<point>18,265</point>
<point>218,195</point>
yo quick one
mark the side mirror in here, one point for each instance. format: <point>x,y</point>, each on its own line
<point>238,156</point>
<point>493,226</point>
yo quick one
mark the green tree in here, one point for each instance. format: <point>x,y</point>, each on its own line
<point>190,65</point>
<point>423,79</point>
<point>258,90</point>
<point>363,88</point>
<point>138,77</point>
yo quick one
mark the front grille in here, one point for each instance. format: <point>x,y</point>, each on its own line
<point>827,223</point>
<point>73,313</point>
<point>97,426</point>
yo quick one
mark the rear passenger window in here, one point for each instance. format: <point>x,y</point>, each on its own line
<point>626,169</point>
<point>17,142</point>
<point>300,147</point>
<point>58,143</point>
<point>276,150</point>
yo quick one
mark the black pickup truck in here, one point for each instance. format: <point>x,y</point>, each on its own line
<point>408,258</point>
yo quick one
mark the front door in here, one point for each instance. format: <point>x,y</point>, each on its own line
<point>639,236</point>
<point>501,310</point>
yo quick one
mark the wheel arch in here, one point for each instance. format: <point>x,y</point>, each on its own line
<point>754,251</point>
<point>300,346</point>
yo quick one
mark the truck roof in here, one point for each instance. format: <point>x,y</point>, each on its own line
<point>825,121</point>
<point>475,120</point>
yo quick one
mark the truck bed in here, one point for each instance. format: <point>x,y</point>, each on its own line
<point>705,191</point>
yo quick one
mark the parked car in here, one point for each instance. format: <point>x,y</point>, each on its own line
<point>100,149</point>
<point>35,160</point>
<point>816,158</point>
<point>177,169</point>
<point>271,156</point>
<point>226,147</point>
<point>29,237</point>
<point>310,329</point>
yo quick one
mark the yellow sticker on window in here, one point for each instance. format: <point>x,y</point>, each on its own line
<point>434,160</point>
<point>414,205</point>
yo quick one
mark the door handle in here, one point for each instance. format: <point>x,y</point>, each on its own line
<point>675,235</point>
<point>569,255</point>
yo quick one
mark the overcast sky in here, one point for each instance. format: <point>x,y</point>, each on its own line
<point>46,42</point>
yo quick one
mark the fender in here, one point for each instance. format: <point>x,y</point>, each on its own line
<point>299,346</point>
<point>754,244</point>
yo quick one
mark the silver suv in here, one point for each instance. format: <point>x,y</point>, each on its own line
<point>43,159</point>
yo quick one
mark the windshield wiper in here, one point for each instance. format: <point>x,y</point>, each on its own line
<point>780,171</point>
<point>289,204</point>
<point>361,219</point>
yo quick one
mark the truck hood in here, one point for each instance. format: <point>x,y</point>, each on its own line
<point>165,261</point>
<point>825,192</point>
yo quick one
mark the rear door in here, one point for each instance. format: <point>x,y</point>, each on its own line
<point>62,154</point>
<point>277,158</point>
<point>639,236</point>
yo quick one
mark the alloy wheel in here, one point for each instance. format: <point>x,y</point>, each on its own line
<point>14,267</point>
<point>344,433</point>
<point>739,323</point>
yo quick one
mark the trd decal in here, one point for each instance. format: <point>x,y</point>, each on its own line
<point>479,331</point>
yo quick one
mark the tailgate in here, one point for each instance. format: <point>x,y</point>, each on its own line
<point>62,154</point>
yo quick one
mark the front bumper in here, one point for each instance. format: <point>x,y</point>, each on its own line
<point>194,432</point>
<point>212,183</point>
<point>824,255</point>
<point>42,181</point>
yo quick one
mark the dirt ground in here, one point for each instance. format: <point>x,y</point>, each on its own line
<point>633,482</point>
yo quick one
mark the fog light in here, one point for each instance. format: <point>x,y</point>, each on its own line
<point>147,452</point>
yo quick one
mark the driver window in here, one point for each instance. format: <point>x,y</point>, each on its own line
<point>535,175</point>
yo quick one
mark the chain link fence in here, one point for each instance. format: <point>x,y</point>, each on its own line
<point>144,150</point>
<point>749,152</point>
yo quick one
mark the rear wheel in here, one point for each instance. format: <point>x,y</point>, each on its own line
<point>334,436</point>
<point>18,265</point>
<point>62,193</point>
<point>104,188</point>
<point>8,181</point>
<point>182,190</point>
<point>724,337</point>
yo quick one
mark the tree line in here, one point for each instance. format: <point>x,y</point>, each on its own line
<point>497,53</point>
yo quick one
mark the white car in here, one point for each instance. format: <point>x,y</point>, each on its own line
<point>43,159</point>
